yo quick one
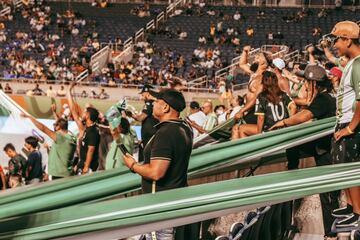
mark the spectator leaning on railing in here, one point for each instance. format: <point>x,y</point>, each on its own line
<point>321,105</point>
<point>272,105</point>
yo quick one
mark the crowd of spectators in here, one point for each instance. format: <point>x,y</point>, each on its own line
<point>40,52</point>
<point>279,95</point>
<point>63,63</point>
<point>206,59</point>
<point>27,167</point>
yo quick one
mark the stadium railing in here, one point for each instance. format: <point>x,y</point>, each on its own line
<point>5,11</point>
<point>197,87</point>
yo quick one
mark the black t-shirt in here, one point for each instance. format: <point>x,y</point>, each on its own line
<point>323,106</point>
<point>272,112</point>
<point>35,162</point>
<point>147,126</point>
<point>91,138</point>
<point>172,142</point>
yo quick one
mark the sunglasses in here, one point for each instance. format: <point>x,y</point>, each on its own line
<point>334,40</point>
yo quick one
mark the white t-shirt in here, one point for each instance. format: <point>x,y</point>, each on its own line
<point>234,111</point>
<point>349,91</point>
<point>199,118</point>
<point>222,118</point>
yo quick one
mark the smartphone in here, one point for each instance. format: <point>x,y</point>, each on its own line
<point>123,149</point>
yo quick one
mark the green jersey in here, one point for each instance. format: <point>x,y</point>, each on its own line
<point>61,155</point>
<point>114,158</point>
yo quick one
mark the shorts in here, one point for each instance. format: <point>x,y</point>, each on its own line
<point>250,117</point>
<point>347,149</point>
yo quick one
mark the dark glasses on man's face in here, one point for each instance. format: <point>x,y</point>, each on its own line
<point>333,42</point>
<point>335,39</point>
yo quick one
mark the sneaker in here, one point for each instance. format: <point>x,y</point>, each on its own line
<point>348,222</point>
<point>342,212</point>
<point>235,229</point>
<point>355,235</point>
<point>251,219</point>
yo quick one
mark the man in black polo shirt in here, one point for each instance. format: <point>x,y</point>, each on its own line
<point>167,153</point>
<point>322,106</point>
<point>148,121</point>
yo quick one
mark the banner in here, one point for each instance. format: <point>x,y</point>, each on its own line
<point>14,129</point>
<point>218,158</point>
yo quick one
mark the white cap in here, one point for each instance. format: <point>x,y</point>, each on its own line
<point>279,63</point>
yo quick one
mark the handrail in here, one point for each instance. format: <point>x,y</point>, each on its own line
<point>83,75</point>
<point>292,56</point>
<point>169,8</point>
<point>160,16</point>
<point>112,46</point>
<point>128,42</point>
<point>251,54</point>
<point>139,34</point>
<point>224,71</point>
<point>101,51</point>
<point>17,4</point>
<point>307,46</point>
<point>150,25</point>
<point>195,81</point>
<point>5,11</point>
<point>240,86</point>
<point>125,51</point>
<point>81,82</point>
<point>264,48</point>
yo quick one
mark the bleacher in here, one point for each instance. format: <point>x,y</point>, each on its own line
<point>296,34</point>
<point>111,22</point>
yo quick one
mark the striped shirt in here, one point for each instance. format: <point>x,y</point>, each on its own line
<point>211,122</point>
<point>349,91</point>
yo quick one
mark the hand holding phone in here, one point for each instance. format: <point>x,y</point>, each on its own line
<point>123,149</point>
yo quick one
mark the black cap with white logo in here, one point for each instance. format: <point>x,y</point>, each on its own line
<point>174,98</point>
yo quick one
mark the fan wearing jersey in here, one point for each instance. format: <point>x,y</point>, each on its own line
<point>272,105</point>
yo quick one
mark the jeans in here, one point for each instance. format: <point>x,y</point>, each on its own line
<point>164,234</point>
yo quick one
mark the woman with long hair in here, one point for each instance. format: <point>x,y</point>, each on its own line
<point>272,105</point>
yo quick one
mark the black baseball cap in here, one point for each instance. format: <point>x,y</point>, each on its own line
<point>194,105</point>
<point>174,98</point>
<point>313,72</point>
<point>146,88</point>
